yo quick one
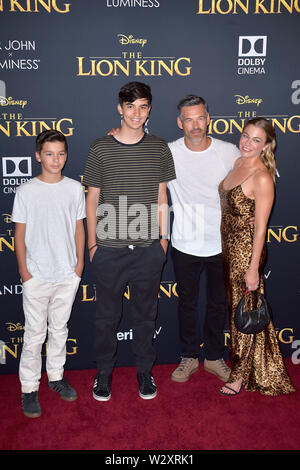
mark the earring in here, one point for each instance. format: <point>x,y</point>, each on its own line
<point>146,126</point>
<point>121,117</point>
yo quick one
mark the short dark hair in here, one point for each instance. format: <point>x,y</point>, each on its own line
<point>192,100</point>
<point>134,91</point>
<point>49,136</point>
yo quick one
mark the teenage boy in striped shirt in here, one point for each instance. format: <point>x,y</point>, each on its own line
<point>127,212</point>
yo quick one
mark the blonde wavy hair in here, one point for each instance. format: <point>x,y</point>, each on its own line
<point>266,156</point>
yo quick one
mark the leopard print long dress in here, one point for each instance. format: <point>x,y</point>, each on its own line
<point>256,358</point>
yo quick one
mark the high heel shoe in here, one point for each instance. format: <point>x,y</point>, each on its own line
<point>232,391</point>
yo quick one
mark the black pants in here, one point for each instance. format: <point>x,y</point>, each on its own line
<point>114,268</point>
<point>188,270</point>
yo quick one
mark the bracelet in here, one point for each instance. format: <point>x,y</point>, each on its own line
<point>92,247</point>
<point>164,237</point>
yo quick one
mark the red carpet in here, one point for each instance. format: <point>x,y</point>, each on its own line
<point>189,416</point>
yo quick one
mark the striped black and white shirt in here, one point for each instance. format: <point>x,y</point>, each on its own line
<point>128,176</point>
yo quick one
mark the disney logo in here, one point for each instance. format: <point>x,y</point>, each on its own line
<point>7,218</point>
<point>11,102</point>
<point>124,40</point>
<point>247,100</point>
<point>14,326</point>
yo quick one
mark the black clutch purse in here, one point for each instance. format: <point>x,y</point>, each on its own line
<point>252,321</point>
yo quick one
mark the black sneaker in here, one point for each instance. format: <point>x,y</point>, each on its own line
<point>147,387</point>
<point>101,390</point>
<point>64,389</point>
<point>30,405</point>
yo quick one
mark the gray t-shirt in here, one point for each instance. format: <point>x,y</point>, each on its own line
<point>50,212</point>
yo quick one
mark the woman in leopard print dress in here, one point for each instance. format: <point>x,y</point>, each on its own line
<point>248,191</point>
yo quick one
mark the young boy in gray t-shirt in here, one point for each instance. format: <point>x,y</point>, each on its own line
<point>48,213</point>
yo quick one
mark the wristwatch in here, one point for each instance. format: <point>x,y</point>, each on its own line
<point>164,237</point>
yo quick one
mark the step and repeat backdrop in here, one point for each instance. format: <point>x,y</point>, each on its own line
<point>62,63</point>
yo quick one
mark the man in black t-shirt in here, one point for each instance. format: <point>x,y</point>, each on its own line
<point>127,214</point>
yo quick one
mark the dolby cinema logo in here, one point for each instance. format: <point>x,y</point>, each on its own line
<point>15,171</point>
<point>252,52</point>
